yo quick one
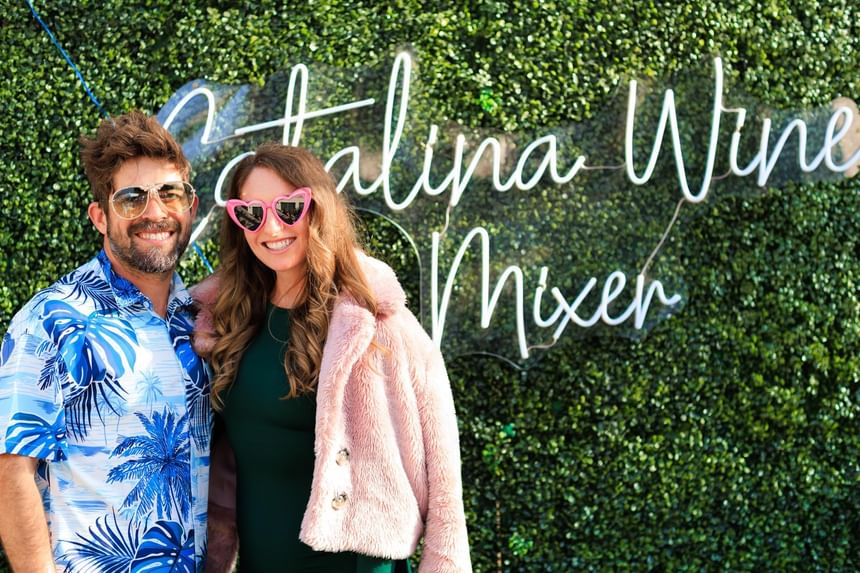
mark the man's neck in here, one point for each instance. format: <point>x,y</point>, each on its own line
<point>154,286</point>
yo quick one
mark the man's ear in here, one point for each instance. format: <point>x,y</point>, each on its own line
<point>194,204</point>
<point>98,217</point>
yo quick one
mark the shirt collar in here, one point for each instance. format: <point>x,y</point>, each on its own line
<point>129,296</point>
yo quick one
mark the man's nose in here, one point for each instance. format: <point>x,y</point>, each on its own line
<point>155,209</point>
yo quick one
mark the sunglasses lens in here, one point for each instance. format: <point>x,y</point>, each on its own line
<point>176,196</point>
<point>249,216</point>
<point>290,210</point>
<point>130,202</point>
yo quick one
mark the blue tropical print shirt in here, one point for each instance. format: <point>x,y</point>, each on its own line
<point>113,401</point>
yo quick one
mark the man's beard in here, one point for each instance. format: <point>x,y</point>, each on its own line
<point>151,261</point>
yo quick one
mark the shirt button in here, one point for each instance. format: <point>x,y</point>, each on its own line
<point>339,501</point>
<point>342,457</point>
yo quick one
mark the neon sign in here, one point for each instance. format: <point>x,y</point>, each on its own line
<point>442,173</point>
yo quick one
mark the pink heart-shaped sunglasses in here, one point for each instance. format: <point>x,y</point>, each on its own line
<point>251,215</point>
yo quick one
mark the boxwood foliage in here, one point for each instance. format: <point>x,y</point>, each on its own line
<point>728,439</point>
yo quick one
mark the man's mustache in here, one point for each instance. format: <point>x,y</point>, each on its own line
<point>154,226</point>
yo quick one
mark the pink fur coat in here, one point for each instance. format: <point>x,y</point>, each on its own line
<point>387,468</point>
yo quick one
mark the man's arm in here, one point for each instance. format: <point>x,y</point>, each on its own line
<point>23,527</point>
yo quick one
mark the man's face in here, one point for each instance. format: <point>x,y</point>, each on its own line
<point>153,242</point>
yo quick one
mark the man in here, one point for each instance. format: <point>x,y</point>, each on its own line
<point>104,407</point>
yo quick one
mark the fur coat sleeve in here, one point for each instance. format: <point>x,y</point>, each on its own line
<point>446,544</point>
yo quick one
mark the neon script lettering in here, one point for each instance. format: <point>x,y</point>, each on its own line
<point>539,161</point>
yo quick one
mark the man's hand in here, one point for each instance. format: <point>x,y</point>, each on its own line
<point>23,528</point>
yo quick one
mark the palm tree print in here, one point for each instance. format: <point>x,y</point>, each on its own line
<point>98,397</point>
<point>89,285</point>
<point>165,546</point>
<point>150,386</point>
<point>54,369</point>
<point>111,402</point>
<point>161,466</point>
<point>107,548</point>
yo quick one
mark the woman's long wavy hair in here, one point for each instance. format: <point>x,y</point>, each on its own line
<point>246,285</point>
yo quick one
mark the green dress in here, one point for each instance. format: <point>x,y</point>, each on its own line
<point>273,440</point>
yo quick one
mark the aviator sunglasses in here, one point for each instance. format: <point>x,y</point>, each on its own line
<point>251,215</point>
<point>131,202</point>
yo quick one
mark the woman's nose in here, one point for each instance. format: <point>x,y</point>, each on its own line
<point>273,221</point>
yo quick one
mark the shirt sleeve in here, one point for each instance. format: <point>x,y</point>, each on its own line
<point>32,420</point>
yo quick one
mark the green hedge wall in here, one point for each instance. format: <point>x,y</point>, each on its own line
<point>728,439</point>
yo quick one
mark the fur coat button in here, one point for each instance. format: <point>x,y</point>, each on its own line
<point>339,501</point>
<point>342,457</point>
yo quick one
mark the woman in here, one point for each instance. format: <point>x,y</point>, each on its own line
<point>334,401</point>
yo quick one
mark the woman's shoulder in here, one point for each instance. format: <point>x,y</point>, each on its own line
<point>393,313</point>
<point>382,280</point>
<point>393,316</point>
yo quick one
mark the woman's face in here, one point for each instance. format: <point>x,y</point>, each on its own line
<point>278,246</point>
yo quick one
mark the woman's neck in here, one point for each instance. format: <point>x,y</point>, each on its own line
<point>287,292</point>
